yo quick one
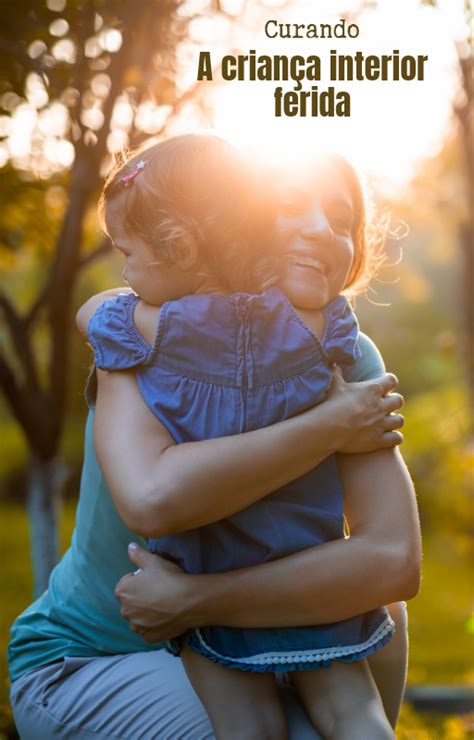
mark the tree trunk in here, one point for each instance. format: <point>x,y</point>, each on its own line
<point>467,245</point>
<point>45,482</point>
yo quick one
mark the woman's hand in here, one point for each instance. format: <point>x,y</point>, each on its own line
<point>155,600</point>
<point>364,413</point>
<point>378,564</point>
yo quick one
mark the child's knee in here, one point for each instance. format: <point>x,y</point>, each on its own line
<point>261,718</point>
<point>399,613</point>
<point>270,723</point>
<point>262,726</point>
<point>366,720</point>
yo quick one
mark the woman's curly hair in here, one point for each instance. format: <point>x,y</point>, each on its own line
<point>368,234</point>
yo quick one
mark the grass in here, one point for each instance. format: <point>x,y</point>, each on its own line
<point>440,626</point>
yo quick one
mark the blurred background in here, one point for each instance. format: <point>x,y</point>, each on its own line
<point>82,79</point>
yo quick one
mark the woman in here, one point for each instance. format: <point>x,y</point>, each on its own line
<point>78,618</point>
<point>135,690</point>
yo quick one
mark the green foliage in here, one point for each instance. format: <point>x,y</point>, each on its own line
<point>440,638</point>
<point>440,456</point>
<point>413,726</point>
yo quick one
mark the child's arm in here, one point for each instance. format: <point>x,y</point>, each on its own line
<point>160,488</point>
<point>88,309</point>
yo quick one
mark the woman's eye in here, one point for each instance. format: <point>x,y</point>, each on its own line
<point>340,222</point>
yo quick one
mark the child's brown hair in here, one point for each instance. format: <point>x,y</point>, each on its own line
<point>195,195</point>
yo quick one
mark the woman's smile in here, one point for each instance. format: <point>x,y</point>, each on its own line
<point>302,260</point>
<point>316,242</point>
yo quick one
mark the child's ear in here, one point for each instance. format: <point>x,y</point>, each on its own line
<point>186,256</point>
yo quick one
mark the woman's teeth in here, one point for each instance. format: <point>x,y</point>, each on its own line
<point>306,262</point>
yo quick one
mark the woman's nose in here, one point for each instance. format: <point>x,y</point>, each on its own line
<point>316,226</point>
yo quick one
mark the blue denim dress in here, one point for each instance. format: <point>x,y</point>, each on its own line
<point>222,365</point>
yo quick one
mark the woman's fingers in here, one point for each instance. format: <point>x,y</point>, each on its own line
<point>387,382</point>
<point>391,439</point>
<point>393,421</point>
<point>392,402</point>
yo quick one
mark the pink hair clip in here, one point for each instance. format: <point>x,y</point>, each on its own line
<point>128,178</point>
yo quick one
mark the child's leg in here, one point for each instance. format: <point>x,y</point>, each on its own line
<point>343,702</point>
<point>241,705</point>
<point>389,664</point>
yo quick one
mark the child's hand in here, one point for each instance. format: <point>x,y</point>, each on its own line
<point>364,412</point>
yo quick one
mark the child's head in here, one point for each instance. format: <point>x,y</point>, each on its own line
<point>321,228</point>
<point>183,213</point>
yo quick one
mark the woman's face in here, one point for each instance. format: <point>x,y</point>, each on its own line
<point>314,224</point>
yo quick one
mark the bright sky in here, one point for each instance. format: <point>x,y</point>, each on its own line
<point>393,125</point>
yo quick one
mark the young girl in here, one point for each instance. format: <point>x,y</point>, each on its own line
<point>211,362</point>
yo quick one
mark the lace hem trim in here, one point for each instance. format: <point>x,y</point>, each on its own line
<point>303,656</point>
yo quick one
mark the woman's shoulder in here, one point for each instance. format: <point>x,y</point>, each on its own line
<point>369,364</point>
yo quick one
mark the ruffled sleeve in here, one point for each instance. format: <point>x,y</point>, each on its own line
<point>112,333</point>
<point>341,333</point>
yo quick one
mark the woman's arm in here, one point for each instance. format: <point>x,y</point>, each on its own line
<point>161,488</point>
<point>379,563</point>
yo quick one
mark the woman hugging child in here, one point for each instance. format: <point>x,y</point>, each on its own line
<point>236,320</point>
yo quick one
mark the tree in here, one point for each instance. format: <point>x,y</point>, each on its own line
<point>93,64</point>
<point>464,112</point>
<point>465,115</point>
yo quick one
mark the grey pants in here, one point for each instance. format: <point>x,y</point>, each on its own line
<point>140,696</point>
